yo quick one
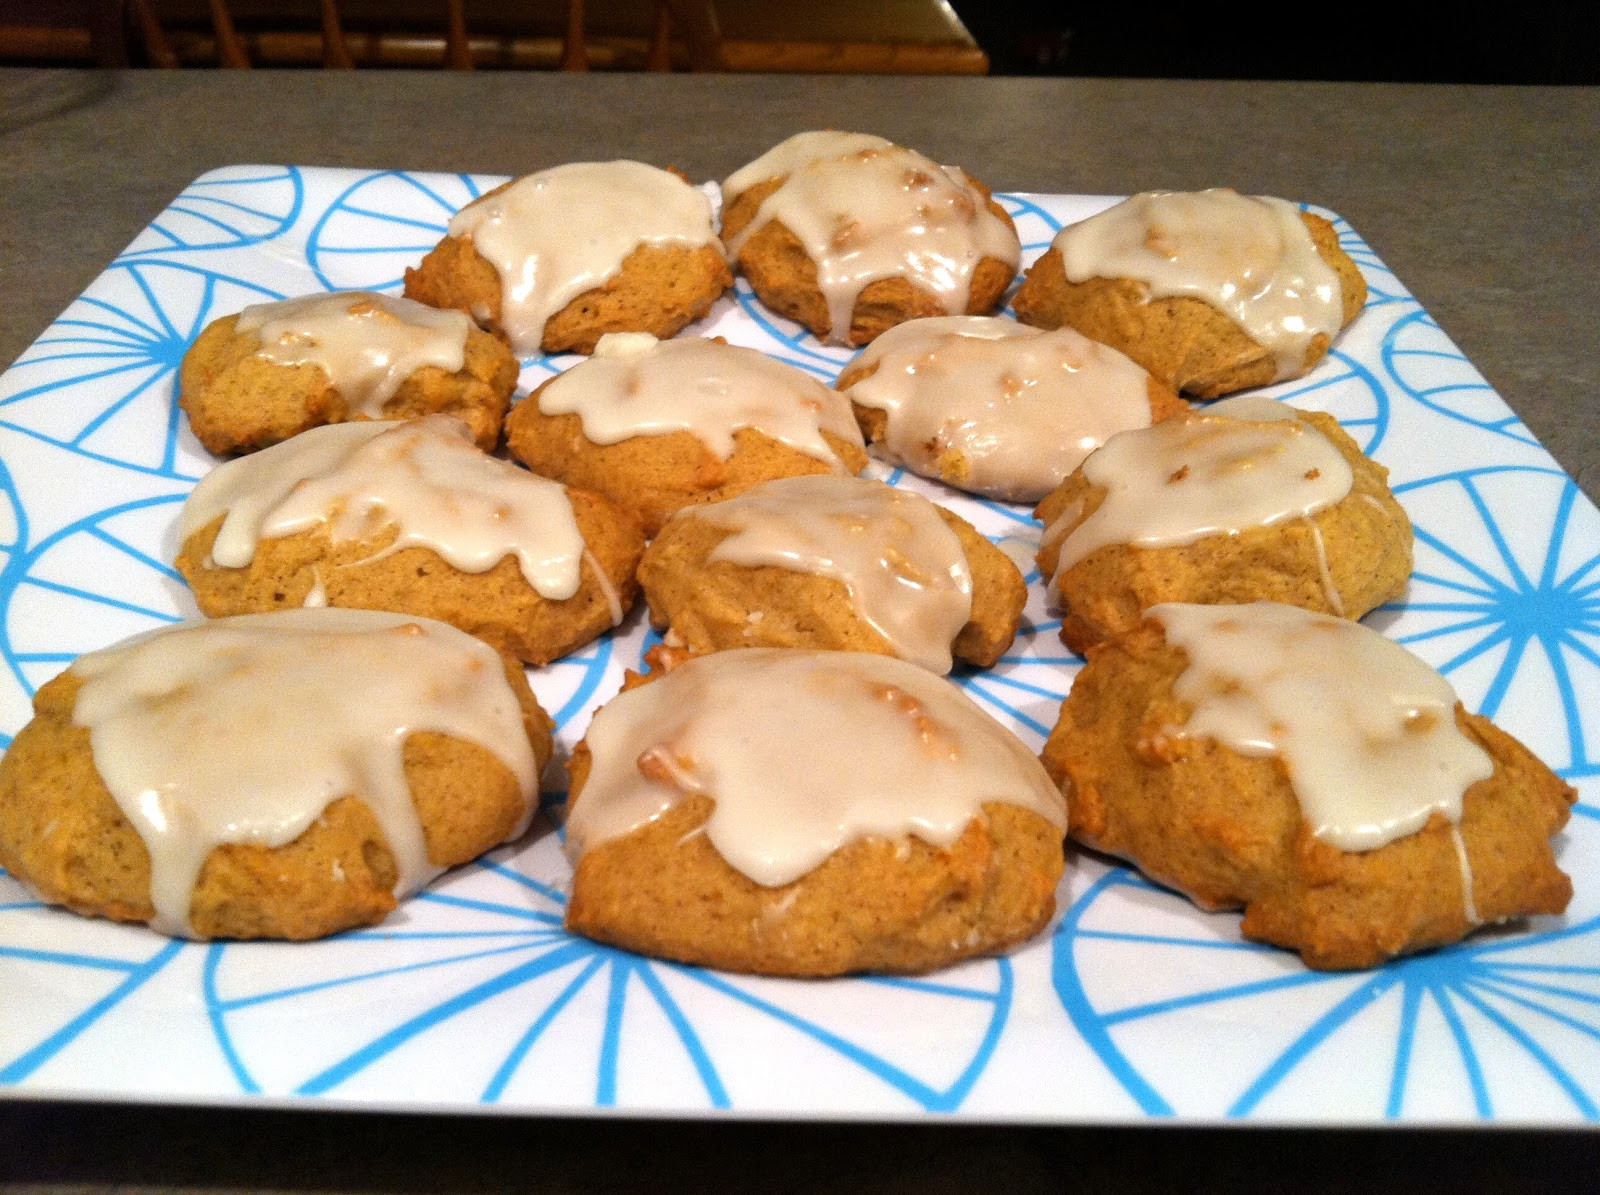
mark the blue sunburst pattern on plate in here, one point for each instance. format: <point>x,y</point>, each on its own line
<point>474,996</point>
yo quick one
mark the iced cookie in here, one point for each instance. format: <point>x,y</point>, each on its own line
<point>411,517</point>
<point>555,260</point>
<point>1211,291</point>
<point>276,369</point>
<point>808,813</point>
<point>850,234</point>
<point>1311,771</point>
<point>273,776</point>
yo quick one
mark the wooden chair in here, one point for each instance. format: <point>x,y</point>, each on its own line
<point>694,19</point>
<point>840,36</point>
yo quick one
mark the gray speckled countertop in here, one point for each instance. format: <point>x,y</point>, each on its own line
<point>1481,199</point>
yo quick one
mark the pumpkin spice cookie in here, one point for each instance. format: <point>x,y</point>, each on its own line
<point>284,775</point>
<point>277,369</point>
<point>555,260</point>
<point>656,426</point>
<point>1250,501</point>
<point>807,814</point>
<point>411,517</point>
<point>838,563</point>
<point>995,407</point>
<point>850,234</point>
<point>1314,773</point>
<point>1211,291</point>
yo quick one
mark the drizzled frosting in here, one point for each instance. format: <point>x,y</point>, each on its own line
<point>803,752</point>
<point>1021,406</point>
<point>368,344</point>
<point>881,211</point>
<point>425,478</point>
<point>1186,478</point>
<point>905,569</point>
<point>1366,731</point>
<point>635,385</point>
<point>1250,257</point>
<point>794,152</point>
<point>552,236</point>
<point>243,730</point>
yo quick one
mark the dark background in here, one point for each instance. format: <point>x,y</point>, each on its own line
<point>1507,42</point>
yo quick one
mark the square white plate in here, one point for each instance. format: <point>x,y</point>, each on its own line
<point>1135,1005</point>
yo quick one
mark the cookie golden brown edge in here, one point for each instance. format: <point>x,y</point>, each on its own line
<point>1186,343</point>
<point>63,834</point>
<point>1365,539</point>
<point>238,401</point>
<point>1226,829</point>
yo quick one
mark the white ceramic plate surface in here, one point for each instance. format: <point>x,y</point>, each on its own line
<point>472,996</point>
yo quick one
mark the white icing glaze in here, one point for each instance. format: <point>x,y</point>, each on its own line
<point>1324,573</point>
<point>905,569</point>
<point>426,477</point>
<point>885,212</point>
<point>607,589</point>
<point>1366,731</point>
<point>1251,257</point>
<point>1256,408</point>
<point>243,730</point>
<point>1468,903</point>
<point>1023,406</point>
<point>636,385</point>
<point>1198,475</point>
<point>796,151</point>
<point>552,236</point>
<point>367,343</point>
<point>803,752</point>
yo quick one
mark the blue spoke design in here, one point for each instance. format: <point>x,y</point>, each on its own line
<point>709,1079</point>
<point>219,1027</point>
<point>435,226</point>
<point>166,471</point>
<point>89,961</point>
<point>1411,1005</point>
<point>95,424</point>
<point>1496,693</point>
<point>1107,935</point>
<point>502,1077</point>
<point>528,882</point>
<point>926,985</point>
<point>1548,989</point>
<point>1469,1056</point>
<point>1319,1032</point>
<point>229,204</point>
<point>1453,628</point>
<point>487,906</point>
<point>1487,643</point>
<point>101,599</point>
<point>46,387</point>
<point>616,1000</point>
<point>1503,989</point>
<point>401,1034</point>
<point>22,1067</point>
<point>142,557</point>
<point>928,1097</point>
<point>1519,1035</point>
<point>1444,583</point>
<point>413,181</point>
<point>1496,586</point>
<point>1507,557</point>
<point>1032,724</point>
<point>1558,535</point>
<point>204,218</point>
<point>1235,991</point>
<point>289,993</point>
